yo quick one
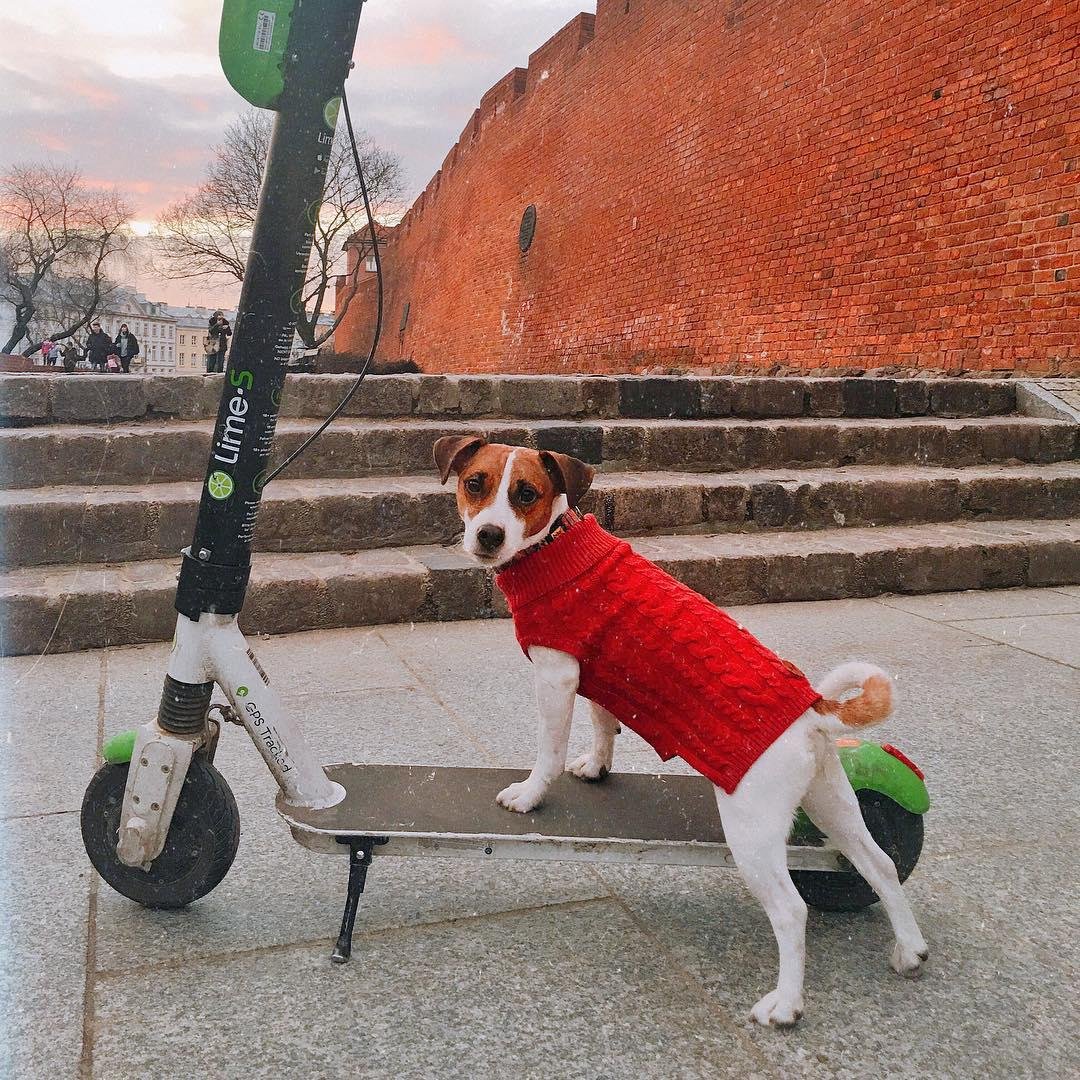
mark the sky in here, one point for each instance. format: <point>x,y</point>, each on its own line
<point>132,93</point>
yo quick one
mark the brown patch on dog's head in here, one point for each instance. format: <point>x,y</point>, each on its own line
<point>572,477</point>
<point>479,477</point>
<point>451,452</point>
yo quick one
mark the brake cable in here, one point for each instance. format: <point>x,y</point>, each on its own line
<point>379,309</point>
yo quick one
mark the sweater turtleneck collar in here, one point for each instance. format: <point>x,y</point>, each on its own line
<point>555,564</point>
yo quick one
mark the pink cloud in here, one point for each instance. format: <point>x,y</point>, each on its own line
<point>93,92</point>
<point>50,141</point>
<point>420,46</point>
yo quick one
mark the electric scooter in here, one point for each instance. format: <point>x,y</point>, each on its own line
<point>159,822</point>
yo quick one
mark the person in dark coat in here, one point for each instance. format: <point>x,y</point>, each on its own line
<point>219,332</point>
<point>99,346</point>
<point>72,355</point>
<point>126,346</point>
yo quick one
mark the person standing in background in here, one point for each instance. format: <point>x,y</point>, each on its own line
<point>99,346</point>
<point>126,347</point>
<point>218,335</point>
<point>72,355</point>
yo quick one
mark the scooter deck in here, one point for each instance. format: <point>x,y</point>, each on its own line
<point>423,810</point>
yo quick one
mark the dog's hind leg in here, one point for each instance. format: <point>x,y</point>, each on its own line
<point>831,804</point>
<point>757,818</point>
<point>597,763</point>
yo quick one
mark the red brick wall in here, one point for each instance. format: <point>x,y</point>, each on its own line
<point>752,183</point>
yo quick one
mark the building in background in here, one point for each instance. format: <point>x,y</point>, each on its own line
<point>150,321</point>
<point>171,336</point>
<point>191,324</point>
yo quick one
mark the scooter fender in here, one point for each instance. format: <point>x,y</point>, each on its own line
<point>872,766</point>
<point>159,764</point>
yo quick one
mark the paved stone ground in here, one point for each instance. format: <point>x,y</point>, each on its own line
<point>545,970</point>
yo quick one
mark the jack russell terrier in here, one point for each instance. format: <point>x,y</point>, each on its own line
<point>597,619</point>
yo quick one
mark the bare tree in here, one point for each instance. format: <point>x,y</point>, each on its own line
<point>58,240</point>
<point>206,235</point>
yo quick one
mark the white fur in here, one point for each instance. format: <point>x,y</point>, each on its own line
<point>802,768</point>
<point>847,677</point>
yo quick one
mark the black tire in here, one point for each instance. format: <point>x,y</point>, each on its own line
<point>199,849</point>
<point>898,832</point>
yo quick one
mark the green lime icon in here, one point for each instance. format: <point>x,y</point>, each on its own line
<point>241,691</point>
<point>220,485</point>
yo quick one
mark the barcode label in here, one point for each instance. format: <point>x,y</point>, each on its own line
<point>264,31</point>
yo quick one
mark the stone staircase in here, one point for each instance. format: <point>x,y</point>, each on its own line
<point>748,489</point>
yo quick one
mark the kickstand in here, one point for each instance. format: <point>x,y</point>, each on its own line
<point>360,849</point>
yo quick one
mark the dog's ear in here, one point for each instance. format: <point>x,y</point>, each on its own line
<point>452,451</point>
<point>572,477</point>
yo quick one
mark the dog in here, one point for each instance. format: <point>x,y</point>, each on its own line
<point>516,504</point>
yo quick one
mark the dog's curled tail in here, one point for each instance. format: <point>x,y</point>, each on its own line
<point>872,705</point>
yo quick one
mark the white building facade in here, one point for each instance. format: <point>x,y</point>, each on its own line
<point>191,324</point>
<point>151,322</point>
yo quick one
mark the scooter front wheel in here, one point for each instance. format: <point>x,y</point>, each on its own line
<point>200,848</point>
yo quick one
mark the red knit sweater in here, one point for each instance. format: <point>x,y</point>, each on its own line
<point>660,657</point>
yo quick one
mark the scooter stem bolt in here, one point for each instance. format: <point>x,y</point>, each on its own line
<point>144,761</point>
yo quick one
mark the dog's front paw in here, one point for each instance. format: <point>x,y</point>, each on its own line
<point>907,960</point>
<point>774,1011</point>
<point>521,797</point>
<point>588,767</point>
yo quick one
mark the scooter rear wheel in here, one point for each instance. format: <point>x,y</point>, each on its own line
<point>199,849</point>
<point>898,832</point>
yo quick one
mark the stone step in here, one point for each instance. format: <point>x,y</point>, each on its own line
<point>77,607</point>
<point>116,524</point>
<point>43,399</point>
<point>142,453</point>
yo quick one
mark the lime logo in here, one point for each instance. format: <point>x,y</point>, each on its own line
<point>330,112</point>
<point>220,485</point>
<point>241,691</point>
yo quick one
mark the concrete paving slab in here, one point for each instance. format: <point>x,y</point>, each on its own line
<point>48,731</point>
<point>986,974</point>
<point>566,991</point>
<point>983,604</point>
<point>279,893</point>
<point>45,885</point>
<point>330,661</point>
<point>1057,637</point>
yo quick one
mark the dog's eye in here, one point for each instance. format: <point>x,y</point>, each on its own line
<point>475,484</point>
<point>527,496</point>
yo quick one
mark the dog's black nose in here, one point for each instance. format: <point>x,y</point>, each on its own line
<point>490,536</point>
